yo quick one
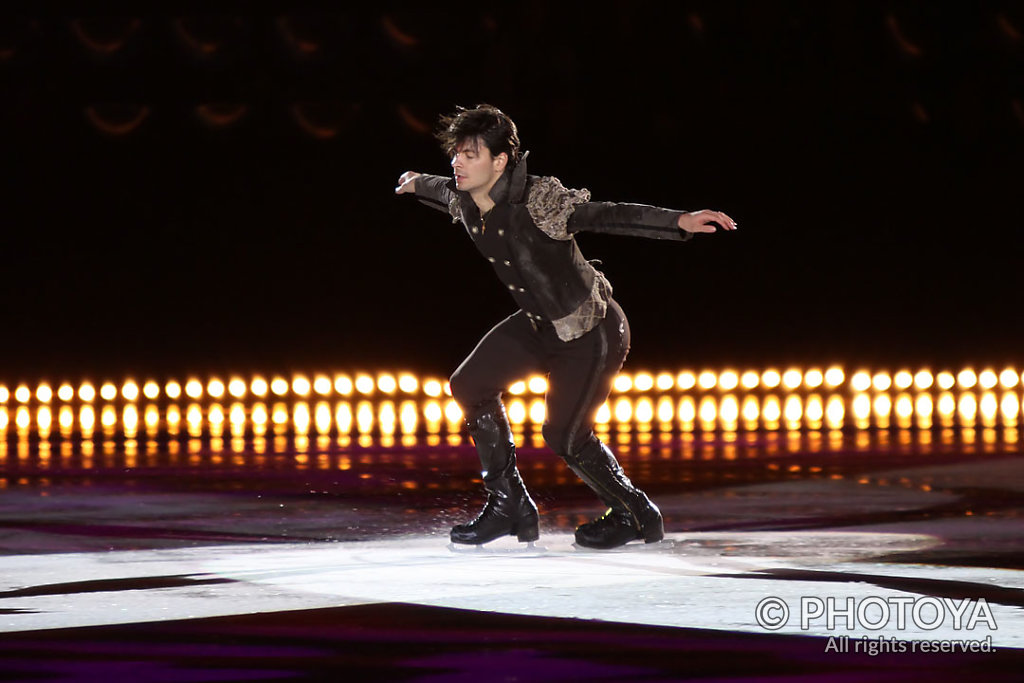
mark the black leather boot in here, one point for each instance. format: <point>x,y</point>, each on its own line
<point>509,509</point>
<point>631,516</point>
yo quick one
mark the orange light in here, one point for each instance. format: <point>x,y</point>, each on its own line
<point>881,381</point>
<point>904,407</point>
<point>793,410</point>
<point>387,418</point>
<point>44,394</point>
<point>236,387</point>
<point>432,388</point>
<point>729,411</point>
<point>151,390</point>
<point>902,380</point>
<point>279,386</point>
<point>987,379</point>
<point>343,385</point>
<point>87,419</point>
<point>194,389</point>
<point>923,408</point>
<point>687,410</point>
<point>452,412</point>
<point>771,378</point>
<point>708,411</point>
<point>407,415</point>
<point>322,385</point>
<point>538,411</point>
<point>215,388</point>
<point>664,381</point>
<point>364,384</point>
<point>301,417</point>
<point>387,384</point>
<point>108,417</point>
<point>707,380</point>
<point>622,382</point>
<point>666,409</point>
<point>861,407</point>
<point>108,392</point>
<point>537,385</point>
<point>259,387</point>
<point>644,411</point>
<point>835,412</point>
<point>172,389</point>
<point>686,380</point>
<point>967,407</point>
<point>1009,406</point>
<point>151,417</point>
<point>751,410</point>
<point>923,380</point>
<point>750,380</point>
<point>728,380</point>
<point>792,378</point>
<point>643,381</point>
<point>967,379</point>
<point>882,406</point>
<point>130,391</point>
<point>834,376</point>
<point>343,417</point>
<point>22,394</point>
<point>861,381</point>
<point>364,417</point>
<point>623,410</point>
<point>408,383</point>
<point>814,410</point>
<point>301,386</point>
<point>517,412</point>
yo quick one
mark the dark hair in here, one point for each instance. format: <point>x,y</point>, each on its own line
<point>484,121</point>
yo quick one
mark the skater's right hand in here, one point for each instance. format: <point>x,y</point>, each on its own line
<point>407,182</point>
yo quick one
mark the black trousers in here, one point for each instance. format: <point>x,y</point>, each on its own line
<point>580,372</point>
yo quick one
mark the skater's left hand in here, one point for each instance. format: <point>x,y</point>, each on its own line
<point>705,221</point>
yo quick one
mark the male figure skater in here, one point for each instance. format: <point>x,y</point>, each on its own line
<point>568,326</point>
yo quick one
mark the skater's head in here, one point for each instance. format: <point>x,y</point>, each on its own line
<point>482,141</point>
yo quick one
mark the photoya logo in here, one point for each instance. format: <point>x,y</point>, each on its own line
<point>876,613</point>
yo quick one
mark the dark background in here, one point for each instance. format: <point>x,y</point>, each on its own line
<point>871,153</point>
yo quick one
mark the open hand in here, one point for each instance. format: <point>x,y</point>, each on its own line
<point>705,221</point>
<point>407,182</point>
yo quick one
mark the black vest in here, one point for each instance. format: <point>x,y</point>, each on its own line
<point>548,278</point>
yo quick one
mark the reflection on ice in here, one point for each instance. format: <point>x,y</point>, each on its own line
<point>696,580</point>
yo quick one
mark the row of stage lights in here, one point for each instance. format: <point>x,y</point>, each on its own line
<point>386,384</point>
<point>727,412</point>
<point>301,387</point>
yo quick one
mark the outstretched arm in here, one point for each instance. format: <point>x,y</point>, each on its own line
<point>560,213</point>
<point>431,190</point>
<point>645,221</point>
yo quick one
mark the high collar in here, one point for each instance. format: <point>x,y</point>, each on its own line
<point>510,186</point>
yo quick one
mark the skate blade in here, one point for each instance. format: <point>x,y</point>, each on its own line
<point>637,546</point>
<point>497,548</point>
